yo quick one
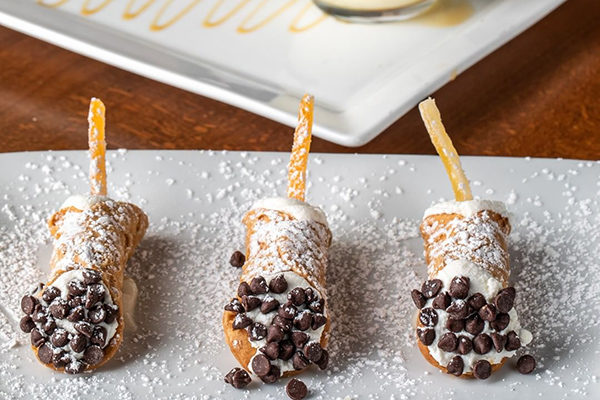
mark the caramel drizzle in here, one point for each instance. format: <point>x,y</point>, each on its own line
<point>243,29</point>
<point>128,14</point>
<point>156,26</point>
<point>57,4</point>
<point>210,24</point>
<point>297,29</point>
<point>85,10</point>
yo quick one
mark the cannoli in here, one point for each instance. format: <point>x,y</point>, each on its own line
<point>75,320</point>
<point>278,324</point>
<point>467,325</point>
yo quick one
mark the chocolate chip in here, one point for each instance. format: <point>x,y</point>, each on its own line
<point>287,311</point>
<point>50,294</point>
<point>313,351</point>
<point>49,327</point>
<point>78,343</point>
<point>431,288</point>
<point>28,304</point>
<point>297,296</point>
<point>269,304</point>
<point>278,284</point>
<point>303,321</point>
<point>36,338</point>
<point>74,367</point>
<point>75,288</point>
<point>229,375</point>
<point>488,312</point>
<point>459,287</point>
<point>26,324</point>
<point>97,315</point>
<point>259,285</point>
<point>499,341</point>
<point>418,298</point>
<point>426,336</point>
<point>261,365</point>
<point>93,355</point>
<point>299,339</point>
<point>274,334</point>
<point>465,345</point>
<point>91,276</point>
<point>504,300</point>
<point>76,301</point>
<point>39,315</point>
<point>428,317</point>
<point>456,366</point>
<point>318,321</point>
<point>317,306</point>
<point>111,313</point>
<point>458,309</point>
<point>476,301</point>
<point>283,323</point>
<point>482,369</point>
<point>99,336</point>
<point>296,389</point>
<point>241,321</point>
<point>311,295</point>
<point>448,342</point>
<point>84,328</point>
<point>59,338</point>
<point>286,350</point>
<point>441,301</point>
<point>455,325</point>
<point>272,376</point>
<point>237,259</point>
<point>482,343</point>
<point>271,350</point>
<point>235,306</point>
<point>244,290</point>
<point>299,361</point>
<point>501,322</point>
<point>60,359</point>
<point>512,341</point>
<point>324,361</point>
<point>240,379</point>
<point>257,331</point>
<point>474,325</point>
<point>45,354</point>
<point>250,302</point>
<point>95,293</point>
<point>526,364</point>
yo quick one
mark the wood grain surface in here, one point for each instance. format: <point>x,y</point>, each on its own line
<point>538,96</point>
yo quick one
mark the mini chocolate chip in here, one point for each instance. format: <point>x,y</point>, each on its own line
<point>244,290</point>
<point>237,259</point>
<point>297,296</point>
<point>93,355</point>
<point>37,339</point>
<point>482,369</point>
<point>45,354</point>
<point>499,341</point>
<point>60,359</point>
<point>76,301</point>
<point>91,276</point>
<point>299,339</point>
<point>431,288</point>
<point>459,287</point>
<point>99,336</point>
<point>303,320</point>
<point>77,314</point>
<point>85,328</point>
<point>504,301</point>
<point>418,298</point>
<point>455,325</point>
<point>95,293</point>
<point>458,309</point>
<point>313,351</point>
<point>272,376</point>
<point>324,361</point>
<point>476,301</point>
<point>111,313</point>
<point>465,345</point>
<point>512,341</point>
<point>426,336</point>
<point>278,284</point>
<point>257,331</point>
<point>456,366</point>
<point>510,290</point>
<point>285,324</point>
<point>275,334</point>
<point>28,304</point>
<point>26,324</point>
<point>229,375</point>
<point>287,311</point>
<point>299,361</point>
<point>311,295</point>
<point>501,322</point>
<point>240,379</point>
<point>241,321</point>
<point>286,350</point>
<point>441,301</point>
<point>474,325</point>
<point>271,350</point>
<point>49,327</point>
<point>259,285</point>
<point>59,338</point>
<point>317,306</point>
<point>39,316</point>
<point>235,306</point>
<point>318,321</point>
<point>296,389</point>
<point>74,367</point>
<point>488,313</point>
<point>482,343</point>
<point>269,304</point>
<point>97,315</point>
<point>50,294</point>
<point>261,365</point>
<point>78,343</point>
<point>250,302</point>
<point>526,364</point>
<point>428,317</point>
<point>75,288</point>
<point>448,342</point>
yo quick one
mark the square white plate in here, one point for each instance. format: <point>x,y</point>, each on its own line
<point>364,77</point>
<point>195,201</point>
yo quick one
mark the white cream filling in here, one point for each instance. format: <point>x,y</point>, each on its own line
<point>467,208</point>
<point>83,201</point>
<point>298,209</point>
<point>294,280</point>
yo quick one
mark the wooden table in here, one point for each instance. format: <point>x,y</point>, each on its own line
<point>536,96</point>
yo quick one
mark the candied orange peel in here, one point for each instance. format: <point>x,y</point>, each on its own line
<point>300,149</point>
<point>97,147</point>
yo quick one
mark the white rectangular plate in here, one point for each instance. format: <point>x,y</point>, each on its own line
<point>364,77</point>
<point>195,201</point>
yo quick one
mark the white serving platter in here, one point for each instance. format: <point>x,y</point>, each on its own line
<point>364,77</point>
<point>374,203</point>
